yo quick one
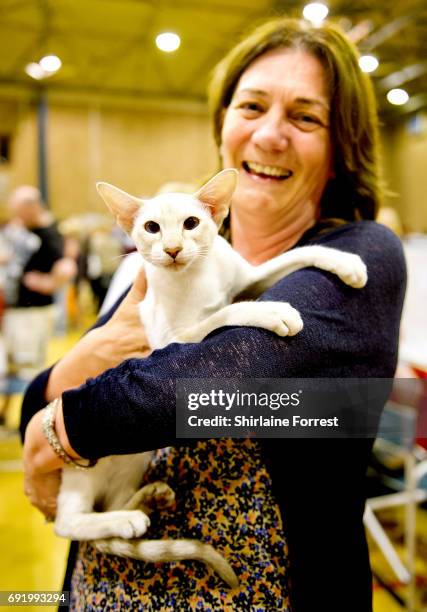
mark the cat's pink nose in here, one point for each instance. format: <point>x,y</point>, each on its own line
<point>173,252</point>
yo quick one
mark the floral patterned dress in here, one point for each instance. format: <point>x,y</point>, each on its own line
<point>224,498</point>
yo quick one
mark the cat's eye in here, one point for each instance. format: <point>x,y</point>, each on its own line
<point>191,223</point>
<point>152,227</point>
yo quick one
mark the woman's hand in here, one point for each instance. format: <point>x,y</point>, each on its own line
<point>42,491</point>
<point>122,337</point>
<point>42,466</point>
<point>42,475</point>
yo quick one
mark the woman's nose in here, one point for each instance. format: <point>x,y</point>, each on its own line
<point>272,133</point>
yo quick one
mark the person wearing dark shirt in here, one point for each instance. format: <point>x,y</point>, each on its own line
<point>296,116</point>
<point>43,260</point>
<point>46,270</point>
<point>39,270</point>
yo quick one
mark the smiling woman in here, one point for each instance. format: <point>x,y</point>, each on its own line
<point>331,93</point>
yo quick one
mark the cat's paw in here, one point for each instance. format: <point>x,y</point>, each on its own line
<point>282,319</point>
<point>132,524</point>
<point>157,495</point>
<point>352,271</point>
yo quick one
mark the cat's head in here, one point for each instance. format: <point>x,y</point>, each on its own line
<point>173,229</point>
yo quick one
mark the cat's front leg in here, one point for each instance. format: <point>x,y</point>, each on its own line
<point>76,520</point>
<point>347,266</point>
<point>278,317</point>
<point>93,525</point>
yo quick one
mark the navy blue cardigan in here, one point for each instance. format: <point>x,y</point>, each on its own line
<point>319,484</point>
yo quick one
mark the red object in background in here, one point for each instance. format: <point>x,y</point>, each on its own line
<point>422,409</point>
<point>412,391</point>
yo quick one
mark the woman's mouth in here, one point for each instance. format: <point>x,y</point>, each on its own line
<point>268,172</point>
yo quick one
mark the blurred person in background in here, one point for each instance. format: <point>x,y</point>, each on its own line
<point>40,269</point>
<point>104,251</point>
<point>47,269</point>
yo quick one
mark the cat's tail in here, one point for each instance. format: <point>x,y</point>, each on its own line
<point>158,551</point>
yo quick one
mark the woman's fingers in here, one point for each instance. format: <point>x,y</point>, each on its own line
<point>128,309</point>
<point>139,288</point>
<point>42,491</point>
<point>126,324</point>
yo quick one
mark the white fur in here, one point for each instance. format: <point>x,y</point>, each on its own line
<point>187,298</point>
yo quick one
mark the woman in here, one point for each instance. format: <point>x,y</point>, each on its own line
<point>296,116</point>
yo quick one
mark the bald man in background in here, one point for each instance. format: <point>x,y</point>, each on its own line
<point>47,270</point>
<point>28,320</point>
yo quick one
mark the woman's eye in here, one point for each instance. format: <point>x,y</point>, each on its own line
<point>308,118</point>
<point>152,227</point>
<point>308,122</point>
<point>250,107</point>
<point>191,223</point>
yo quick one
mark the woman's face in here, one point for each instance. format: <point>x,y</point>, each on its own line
<point>276,133</point>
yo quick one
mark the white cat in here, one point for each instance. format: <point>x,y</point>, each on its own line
<point>193,276</point>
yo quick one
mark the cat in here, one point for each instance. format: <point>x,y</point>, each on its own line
<point>177,236</point>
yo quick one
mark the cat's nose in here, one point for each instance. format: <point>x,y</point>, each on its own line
<point>173,252</point>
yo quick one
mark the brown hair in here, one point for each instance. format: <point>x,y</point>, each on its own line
<point>355,192</point>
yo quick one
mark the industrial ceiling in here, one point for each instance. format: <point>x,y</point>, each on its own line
<point>107,47</point>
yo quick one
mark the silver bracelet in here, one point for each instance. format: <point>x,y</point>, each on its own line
<point>51,436</point>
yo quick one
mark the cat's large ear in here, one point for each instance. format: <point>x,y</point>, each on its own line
<point>217,193</point>
<point>123,206</point>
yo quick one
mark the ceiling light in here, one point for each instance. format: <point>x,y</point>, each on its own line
<point>168,42</point>
<point>35,71</point>
<point>368,63</point>
<point>397,96</point>
<point>315,12</point>
<point>50,63</point>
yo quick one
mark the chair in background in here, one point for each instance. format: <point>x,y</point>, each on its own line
<point>397,439</point>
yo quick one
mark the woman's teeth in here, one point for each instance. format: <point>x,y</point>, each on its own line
<point>270,171</point>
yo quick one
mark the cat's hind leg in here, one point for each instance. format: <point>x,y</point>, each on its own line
<point>155,495</point>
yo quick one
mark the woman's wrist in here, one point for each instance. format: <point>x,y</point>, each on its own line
<point>55,434</point>
<point>39,456</point>
<point>61,434</point>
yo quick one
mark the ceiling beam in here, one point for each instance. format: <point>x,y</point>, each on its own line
<point>406,74</point>
<point>387,31</point>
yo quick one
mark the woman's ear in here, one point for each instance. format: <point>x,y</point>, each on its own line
<point>123,206</point>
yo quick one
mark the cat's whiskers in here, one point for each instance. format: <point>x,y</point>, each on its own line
<point>122,256</point>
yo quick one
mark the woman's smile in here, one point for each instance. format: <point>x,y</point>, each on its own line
<point>260,171</point>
